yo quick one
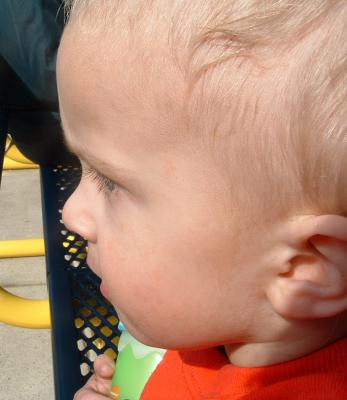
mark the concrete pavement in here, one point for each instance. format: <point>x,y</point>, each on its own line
<point>25,354</point>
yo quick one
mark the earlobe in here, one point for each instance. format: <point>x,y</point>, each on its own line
<point>315,284</point>
<point>309,291</point>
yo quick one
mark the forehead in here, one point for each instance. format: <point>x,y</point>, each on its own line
<point>99,78</point>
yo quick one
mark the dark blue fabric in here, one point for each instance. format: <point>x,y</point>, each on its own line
<point>30,32</point>
<point>29,38</point>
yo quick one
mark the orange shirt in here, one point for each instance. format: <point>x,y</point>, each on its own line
<point>208,375</point>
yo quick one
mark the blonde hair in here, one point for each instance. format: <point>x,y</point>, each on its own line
<point>303,41</point>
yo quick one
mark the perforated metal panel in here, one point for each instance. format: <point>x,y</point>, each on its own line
<point>95,321</point>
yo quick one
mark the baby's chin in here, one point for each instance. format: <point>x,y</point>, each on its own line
<point>160,340</point>
<point>144,336</point>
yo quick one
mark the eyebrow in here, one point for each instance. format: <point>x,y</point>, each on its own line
<point>96,164</point>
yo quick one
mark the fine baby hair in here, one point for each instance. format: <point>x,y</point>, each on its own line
<point>293,53</point>
<point>216,131</point>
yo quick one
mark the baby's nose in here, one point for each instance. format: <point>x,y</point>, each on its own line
<point>78,217</point>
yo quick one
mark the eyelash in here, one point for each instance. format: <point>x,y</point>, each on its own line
<point>104,184</point>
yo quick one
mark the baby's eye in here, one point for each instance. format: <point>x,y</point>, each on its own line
<point>104,184</point>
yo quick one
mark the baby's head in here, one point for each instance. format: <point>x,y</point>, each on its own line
<point>212,141</point>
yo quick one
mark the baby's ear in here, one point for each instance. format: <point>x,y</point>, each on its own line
<point>314,284</point>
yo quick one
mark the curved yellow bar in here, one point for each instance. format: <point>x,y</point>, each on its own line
<point>12,164</point>
<point>26,313</point>
<point>22,248</point>
<point>14,154</point>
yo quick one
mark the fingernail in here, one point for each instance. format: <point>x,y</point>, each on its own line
<point>114,392</point>
<point>107,369</point>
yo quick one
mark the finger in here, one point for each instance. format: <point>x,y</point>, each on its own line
<point>103,371</point>
<point>99,385</point>
<point>104,367</point>
<point>100,381</point>
<point>89,394</point>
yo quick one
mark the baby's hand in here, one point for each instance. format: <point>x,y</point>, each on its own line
<point>98,386</point>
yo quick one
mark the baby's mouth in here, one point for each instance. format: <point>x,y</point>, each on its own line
<point>103,289</point>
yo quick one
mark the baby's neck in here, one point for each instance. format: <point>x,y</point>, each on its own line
<point>259,354</point>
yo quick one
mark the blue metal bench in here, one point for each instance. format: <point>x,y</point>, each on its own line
<point>84,324</point>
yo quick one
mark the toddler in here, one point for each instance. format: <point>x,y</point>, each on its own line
<point>212,137</point>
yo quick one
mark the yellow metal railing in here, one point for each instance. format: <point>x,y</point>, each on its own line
<point>14,159</point>
<point>26,313</point>
<point>13,164</point>
<point>22,248</point>
<point>16,310</point>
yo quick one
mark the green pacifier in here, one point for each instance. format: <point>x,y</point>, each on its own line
<point>135,364</point>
